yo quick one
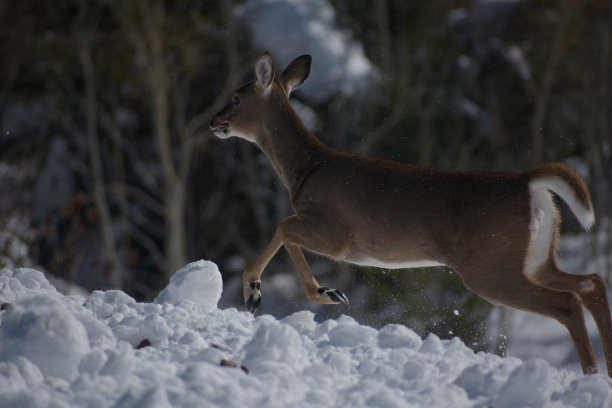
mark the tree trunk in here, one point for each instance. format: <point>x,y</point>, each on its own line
<point>175,245</point>
<point>173,184</point>
<point>111,261</point>
<point>547,81</point>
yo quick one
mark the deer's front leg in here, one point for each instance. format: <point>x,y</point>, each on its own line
<point>293,235</point>
<point>315,292</point>
<point>251,279</point>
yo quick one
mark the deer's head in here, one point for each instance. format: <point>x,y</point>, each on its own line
<point>248,108</point>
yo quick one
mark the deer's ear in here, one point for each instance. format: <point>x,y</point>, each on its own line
<point>296,73</point>
<point>264,72</point>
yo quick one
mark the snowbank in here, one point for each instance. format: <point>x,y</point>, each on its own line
<point>108,350</point>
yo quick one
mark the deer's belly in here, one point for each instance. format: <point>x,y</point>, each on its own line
<point>364,261</point>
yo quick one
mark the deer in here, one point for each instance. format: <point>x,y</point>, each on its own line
<point>497,230</point>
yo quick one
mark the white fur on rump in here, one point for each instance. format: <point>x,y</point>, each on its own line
<point>585,215</point>
<point>543,216</point>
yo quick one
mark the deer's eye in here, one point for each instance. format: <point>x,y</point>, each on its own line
<point>235,101</point>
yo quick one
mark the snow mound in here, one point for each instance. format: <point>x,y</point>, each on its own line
<point>108,350</point>
<point>199,282</point>
<point>43,330</point>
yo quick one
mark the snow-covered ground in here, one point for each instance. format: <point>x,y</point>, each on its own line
<point>182,351</point>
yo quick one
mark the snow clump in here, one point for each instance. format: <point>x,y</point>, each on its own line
<point>199,282</point>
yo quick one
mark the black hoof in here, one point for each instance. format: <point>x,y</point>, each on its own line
<point>253,303</point>
<point>252,295</point>
<point>334,295</point>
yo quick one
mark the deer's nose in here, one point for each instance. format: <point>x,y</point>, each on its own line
<point>216,124</point>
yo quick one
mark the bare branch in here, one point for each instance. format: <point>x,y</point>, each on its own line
<point>153,250</point>
<point>140,195</point>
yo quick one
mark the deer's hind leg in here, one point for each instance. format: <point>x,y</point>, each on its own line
<point>510,287</point>
<point>564,306</point>
<point>294,235</point>
<point>592,292</point>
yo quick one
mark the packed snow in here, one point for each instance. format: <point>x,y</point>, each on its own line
<point>182,351</point>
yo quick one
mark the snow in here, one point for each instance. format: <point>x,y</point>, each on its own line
<point>54,187</point>
<point>199,282</point>
<point>182,351</point>
<point>516,57</point>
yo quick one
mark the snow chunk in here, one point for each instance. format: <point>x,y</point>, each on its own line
<point>536,375</point>
<point>302,321</point>
<point>44,331</point>
<point>397,336</point>
<point>30,278</point>
<point>432,345</point>
<point>106,304</point>
<point>274,344</point>
<point>348,333</point>
<point>586,392</point>
<point>19,375</point>
<point>199,282</point>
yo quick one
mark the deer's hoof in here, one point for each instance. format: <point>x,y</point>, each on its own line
<point>253,302</point>
<point>252,295</point>
<point>335,296</point>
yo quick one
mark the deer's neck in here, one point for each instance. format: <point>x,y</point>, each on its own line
<point>293,150</point>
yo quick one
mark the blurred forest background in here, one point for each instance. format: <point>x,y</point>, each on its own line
<point>110,177</point>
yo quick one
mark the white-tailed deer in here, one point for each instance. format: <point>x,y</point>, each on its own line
<point>498,231</point>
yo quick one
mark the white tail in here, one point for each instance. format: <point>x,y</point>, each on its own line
<point>544,215</point>
<point>583,212</point>
<point>497,230</point>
